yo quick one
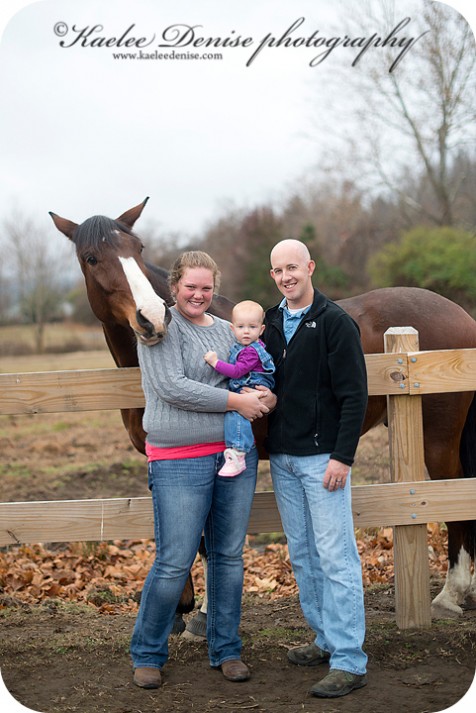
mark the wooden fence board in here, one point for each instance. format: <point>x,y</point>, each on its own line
<point>66,391</point>
<point>410,550</point>
<point>392,504</point>
<point>386,373</point>
<point>102,389</point>
<point>442,371</point>
<point>382,505</point>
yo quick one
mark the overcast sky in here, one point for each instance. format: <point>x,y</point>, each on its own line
<point>83,133</point>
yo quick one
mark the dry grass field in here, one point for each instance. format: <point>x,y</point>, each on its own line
<point>59,338</point>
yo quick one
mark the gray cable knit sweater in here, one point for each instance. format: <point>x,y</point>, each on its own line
<point>185,397</point>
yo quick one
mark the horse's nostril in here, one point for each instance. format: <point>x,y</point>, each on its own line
<point>144,322</point>
<point>150,329</point>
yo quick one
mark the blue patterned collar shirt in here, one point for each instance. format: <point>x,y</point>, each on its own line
<point>291,318</point>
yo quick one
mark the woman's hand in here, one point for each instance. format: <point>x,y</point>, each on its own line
<point>250,405</point>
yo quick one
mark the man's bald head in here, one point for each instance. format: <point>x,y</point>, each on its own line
<point>291,247</point>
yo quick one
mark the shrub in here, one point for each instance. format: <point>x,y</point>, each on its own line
<point>439,259</point>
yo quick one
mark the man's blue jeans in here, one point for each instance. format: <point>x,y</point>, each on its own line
<point>189,498</point>
<point>319,528</point>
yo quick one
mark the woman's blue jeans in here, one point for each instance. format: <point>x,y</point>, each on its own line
<point>190,498</point>
<point>319,528</point>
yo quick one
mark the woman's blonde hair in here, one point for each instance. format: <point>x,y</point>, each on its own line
<point>193,258</point>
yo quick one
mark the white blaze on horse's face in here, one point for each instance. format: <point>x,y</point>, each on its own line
<point>149,305</point>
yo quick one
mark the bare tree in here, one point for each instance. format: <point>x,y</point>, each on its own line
<point>415,120</point>
<point>5,294</point>
<point>37,271</point>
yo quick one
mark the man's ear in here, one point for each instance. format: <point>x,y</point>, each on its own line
<point>311,267</point>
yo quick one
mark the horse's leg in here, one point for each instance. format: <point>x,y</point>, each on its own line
<point>132,420</point>
<point>376,413</point>
<point>468,462</point>
<point>447,604</point>
<point>196,629</point>
<point>470,601</point>
<point>444,422</point>
<point>185,605</point>
<point>203,556</point>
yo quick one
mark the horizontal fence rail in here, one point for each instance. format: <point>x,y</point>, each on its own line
<point>439,372</point>
<point>384,505</point>
<point>99,389</point>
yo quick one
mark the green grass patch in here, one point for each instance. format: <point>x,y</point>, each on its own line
<point>276,633</point>
<point>61,426</point>
<point>15,470</point>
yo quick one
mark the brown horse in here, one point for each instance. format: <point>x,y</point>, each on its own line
<point>131,299</point>
<point>117,278</point>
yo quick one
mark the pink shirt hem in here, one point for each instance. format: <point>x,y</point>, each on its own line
<point>179,452</point>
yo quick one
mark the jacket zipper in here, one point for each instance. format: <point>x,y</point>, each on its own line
<point>283,388</point>
<point>316,434</point>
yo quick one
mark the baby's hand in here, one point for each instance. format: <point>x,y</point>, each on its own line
<point>211,358</point>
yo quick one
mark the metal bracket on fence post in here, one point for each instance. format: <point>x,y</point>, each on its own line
<point>405,430</point>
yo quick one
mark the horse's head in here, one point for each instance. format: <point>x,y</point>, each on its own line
<point>117,282</point>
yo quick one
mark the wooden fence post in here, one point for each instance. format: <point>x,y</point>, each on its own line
<point>405,427</point>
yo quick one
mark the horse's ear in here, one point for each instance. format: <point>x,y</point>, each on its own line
<point>130,216</point>
<point>64,226</point>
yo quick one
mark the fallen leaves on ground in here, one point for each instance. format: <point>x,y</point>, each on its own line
<point>108,576</point>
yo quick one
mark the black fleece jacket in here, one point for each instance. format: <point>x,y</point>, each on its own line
<point>321,383</point>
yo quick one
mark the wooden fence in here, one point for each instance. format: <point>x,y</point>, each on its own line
<point>403,374</point>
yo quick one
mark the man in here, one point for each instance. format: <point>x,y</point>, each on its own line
<point>321,387</point>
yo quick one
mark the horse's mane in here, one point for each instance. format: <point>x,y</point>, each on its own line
<point>158,277</point>
<point>98,230</point>
<point>160,271</point>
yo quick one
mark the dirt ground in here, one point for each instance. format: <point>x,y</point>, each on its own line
<point>60,657</point>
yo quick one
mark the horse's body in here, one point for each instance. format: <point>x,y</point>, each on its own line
<point>449,420</point>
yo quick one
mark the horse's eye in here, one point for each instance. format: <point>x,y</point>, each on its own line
<point>142,246</point>
<point>91,260</point>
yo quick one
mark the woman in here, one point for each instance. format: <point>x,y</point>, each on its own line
<point>184,418</point>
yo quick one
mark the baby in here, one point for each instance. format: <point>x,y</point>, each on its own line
<point>249,365</point>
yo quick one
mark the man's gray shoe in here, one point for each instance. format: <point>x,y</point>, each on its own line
<point>338,683</point>
<point>309,655</point>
